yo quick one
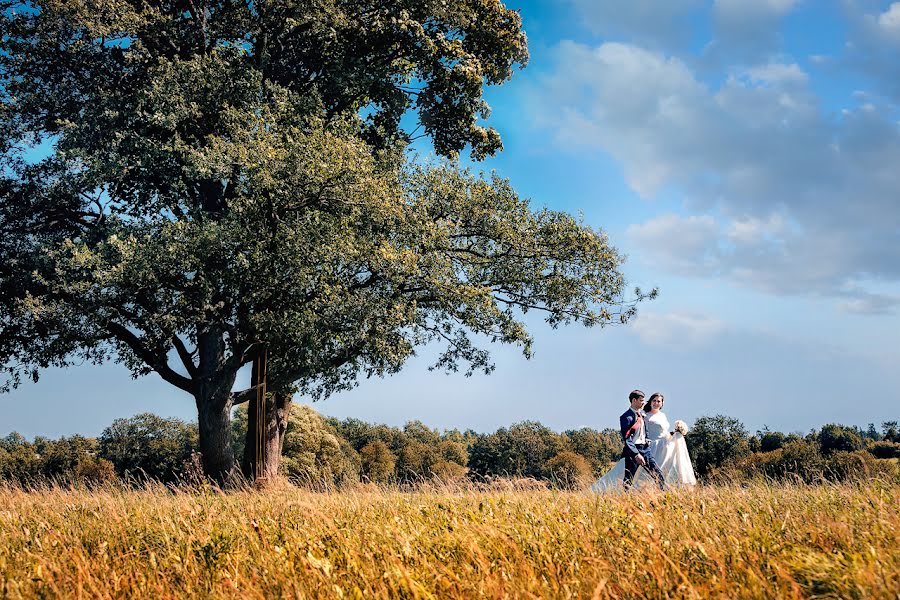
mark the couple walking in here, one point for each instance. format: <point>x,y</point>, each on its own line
<point>650,450</point>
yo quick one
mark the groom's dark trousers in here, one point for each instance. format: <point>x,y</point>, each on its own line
<point>631,467</point>
<point>631,450</point>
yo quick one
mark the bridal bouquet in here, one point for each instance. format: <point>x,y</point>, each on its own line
<point>681,427</point>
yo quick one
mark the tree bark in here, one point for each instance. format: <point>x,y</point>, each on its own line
<point>213,398</point>
<point>214,421</point>
<point>277,413</point>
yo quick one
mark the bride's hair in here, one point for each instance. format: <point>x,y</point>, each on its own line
<point>654,395</point>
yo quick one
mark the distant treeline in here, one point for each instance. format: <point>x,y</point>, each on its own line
<point>328,452</point>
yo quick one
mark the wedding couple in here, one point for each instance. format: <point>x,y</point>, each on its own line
<point>650,450</point>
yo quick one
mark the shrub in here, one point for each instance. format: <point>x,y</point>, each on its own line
<point>313,453</point>
<point>837,438</point>
<point>95,470</point>
<point>568,470</point>
<point>770,440</point>
<point>849,466</point>
<point>885,450</point>
<point>446,470</point>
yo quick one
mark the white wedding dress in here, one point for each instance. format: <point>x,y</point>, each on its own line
<point>669,451</point>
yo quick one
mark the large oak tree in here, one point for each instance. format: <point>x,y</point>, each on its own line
<point>228,178</point>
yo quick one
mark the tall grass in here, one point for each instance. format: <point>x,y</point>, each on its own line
<point>784,541</point>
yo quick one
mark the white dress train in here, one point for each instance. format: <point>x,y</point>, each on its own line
<point>669,451</point>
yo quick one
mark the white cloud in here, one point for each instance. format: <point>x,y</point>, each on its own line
<point>750,230</point>
<point>676,329</point>
<point>889,20</point>
<point>778,74</point>
<point>780,195</point>
<point>683,243</point>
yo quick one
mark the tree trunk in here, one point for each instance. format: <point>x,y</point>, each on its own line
<point>213,397</point>
<point>278,410</point>
<point>214,420</point>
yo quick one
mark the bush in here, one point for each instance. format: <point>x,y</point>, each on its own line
<point>796,459</point>
<point>95,470</point>
<point>885,450</point>
<point>314,453</point>
<point>770,440</point>
<point>837,438</point>
<point>849,466</point>
<point>568,470</point>
<point>446,470</point>
<point>148,445</point>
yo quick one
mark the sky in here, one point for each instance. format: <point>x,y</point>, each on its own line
<point>743,154</point>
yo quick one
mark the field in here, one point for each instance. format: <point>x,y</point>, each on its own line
<point>787,541</point>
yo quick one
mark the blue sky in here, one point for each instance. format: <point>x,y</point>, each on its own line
<point>744,155</point>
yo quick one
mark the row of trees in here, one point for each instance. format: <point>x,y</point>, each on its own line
<point>321,451</point>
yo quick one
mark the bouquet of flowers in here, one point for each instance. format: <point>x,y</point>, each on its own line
<point>681,427</point>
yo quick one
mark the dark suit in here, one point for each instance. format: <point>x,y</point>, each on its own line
<point>631,450</point>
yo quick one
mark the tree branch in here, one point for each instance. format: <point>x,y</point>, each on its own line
<point>186,357</point>
<point>155,361</point>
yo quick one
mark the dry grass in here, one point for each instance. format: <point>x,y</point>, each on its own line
<point>760,541</point>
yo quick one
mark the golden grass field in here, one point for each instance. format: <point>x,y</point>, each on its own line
<point>778,541</point>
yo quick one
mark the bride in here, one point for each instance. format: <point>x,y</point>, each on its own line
<point>669,450</point>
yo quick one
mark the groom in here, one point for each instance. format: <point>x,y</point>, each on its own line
<point>637,451</point>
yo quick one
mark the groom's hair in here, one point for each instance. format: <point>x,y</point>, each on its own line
<point>635,394</point>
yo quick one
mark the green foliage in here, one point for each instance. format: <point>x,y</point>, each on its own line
<point>796,459</point>
<point>770,440</point>
<point>147,445</point>
<point>418,451</point>
<point>19,461</point>
<point>60,458</point>
<point>66,460</point>
<point>520,451</point>
<point>715,441</point>
<point>600,448</point>
<point>890,431</point>
<point>838,438</point>
<point>313,452</point>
